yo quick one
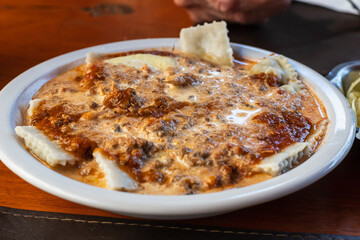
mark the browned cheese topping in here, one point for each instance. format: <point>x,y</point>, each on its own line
<point>192,128</point>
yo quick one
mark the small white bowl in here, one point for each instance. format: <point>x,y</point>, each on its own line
<point>16,95</point>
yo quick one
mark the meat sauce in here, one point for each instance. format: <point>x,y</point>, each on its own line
<point>53,122</point>
<point>288,128</point>
<point>194,128</point>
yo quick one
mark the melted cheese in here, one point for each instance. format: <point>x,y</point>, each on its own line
<point>141,60</point>
<point>208,41</point>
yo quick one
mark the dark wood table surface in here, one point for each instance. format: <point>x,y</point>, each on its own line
<point>32,31</point>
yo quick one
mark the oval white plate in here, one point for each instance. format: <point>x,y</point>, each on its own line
<point>16,95</point>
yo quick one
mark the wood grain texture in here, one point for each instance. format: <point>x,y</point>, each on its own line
<point>33,31</point>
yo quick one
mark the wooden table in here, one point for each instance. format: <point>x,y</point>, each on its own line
<point>32,31</point>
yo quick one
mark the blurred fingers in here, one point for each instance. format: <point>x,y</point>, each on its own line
<point>240,11</point>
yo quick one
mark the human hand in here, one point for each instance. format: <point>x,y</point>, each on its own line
<point>240,11</point>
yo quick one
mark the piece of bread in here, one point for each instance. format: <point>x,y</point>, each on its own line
<point>92,57</point>
<point>43,147</point>
<point>33,105</point>
<point>283,160</point>
<point>115,177</point>
<point>208,41</point>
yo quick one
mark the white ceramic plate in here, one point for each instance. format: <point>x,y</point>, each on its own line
<point>15,96</point>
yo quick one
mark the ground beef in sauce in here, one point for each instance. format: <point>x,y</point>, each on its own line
<point>193,128</point>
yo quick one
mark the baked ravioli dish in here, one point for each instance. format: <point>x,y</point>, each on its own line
<point>175,121</point>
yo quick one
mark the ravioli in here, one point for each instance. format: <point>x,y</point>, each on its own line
<point>278,66</point>
<point>208,41</point>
